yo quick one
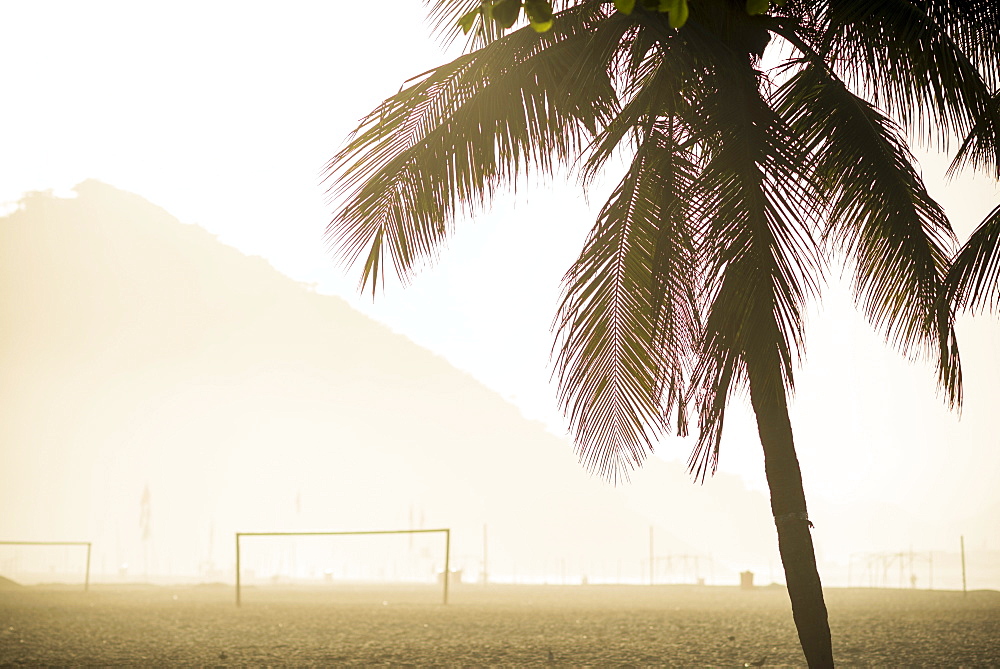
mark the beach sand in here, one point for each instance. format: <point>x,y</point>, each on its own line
<point>578,626</point>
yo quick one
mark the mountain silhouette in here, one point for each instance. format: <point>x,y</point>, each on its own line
<point>136,350</point>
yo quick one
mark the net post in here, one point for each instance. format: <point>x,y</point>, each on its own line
<point>652,558</point>
<point>486,571</point>
<point>447,562</point>
<point>965,592</point>
<point>237,569</point>
<point>86,577</point>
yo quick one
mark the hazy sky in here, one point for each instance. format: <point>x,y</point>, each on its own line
<point>224,114</point>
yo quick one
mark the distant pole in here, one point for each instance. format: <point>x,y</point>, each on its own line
<point>962,543</point>
<point>913,580</point>
<point>447,562</point>
<point>86,578</point>
<point>651,560</point>
<point>237,569</point>
<point>486,572</point>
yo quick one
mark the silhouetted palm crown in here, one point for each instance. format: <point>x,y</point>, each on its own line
<point>743,182</point>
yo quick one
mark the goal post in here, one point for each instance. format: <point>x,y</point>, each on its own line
<point>447,548</point>
<point>86,573</point>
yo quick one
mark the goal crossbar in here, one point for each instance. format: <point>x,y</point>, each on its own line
<point>239,535</point>
<point>86,577</point>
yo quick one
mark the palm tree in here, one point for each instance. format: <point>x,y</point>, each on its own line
<point>743,184</point>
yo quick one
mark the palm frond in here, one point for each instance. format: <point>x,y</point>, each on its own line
<point>974,26</point>
<point>974,277</point>
<point>649,81</point>
<point>444,17</point>
<point>759,260</point>
<point>906,58</point>
<point>626,321</point>
<point>695,275</point>
<point>443,145</point>
<point>881,216</point>
<point>981,147</point>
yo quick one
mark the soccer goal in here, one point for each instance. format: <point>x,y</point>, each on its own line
<point>45,559</point>
<point>242,536</point>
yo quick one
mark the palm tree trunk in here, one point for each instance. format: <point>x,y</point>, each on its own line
<point>788,504</point>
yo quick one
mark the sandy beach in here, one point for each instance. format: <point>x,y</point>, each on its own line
<point>595,626</point>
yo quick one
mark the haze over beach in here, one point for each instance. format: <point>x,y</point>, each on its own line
<point>130,337</point>
<point>142,353</point>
